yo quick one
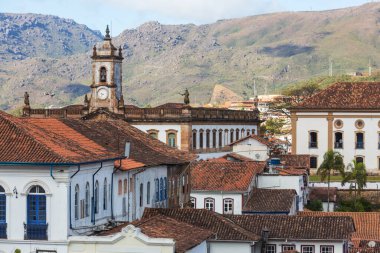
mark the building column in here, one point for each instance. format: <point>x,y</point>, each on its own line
<point>330,119</point>
<point>294,118</point>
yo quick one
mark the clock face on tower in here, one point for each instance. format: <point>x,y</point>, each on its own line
<point>102,93</point>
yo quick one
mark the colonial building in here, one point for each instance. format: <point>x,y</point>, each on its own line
<point>345,117</point>
<point>179,125</point>
<point>70,177</point>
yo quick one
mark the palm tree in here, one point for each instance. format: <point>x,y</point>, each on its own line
<point>332,161</point>
<point>356,174</point>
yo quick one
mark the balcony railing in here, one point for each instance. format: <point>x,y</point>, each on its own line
<point>313,144</point>
<point>360,145</point>
<point>3,230</point>
<point>35,231</point>
<point>338,145</point>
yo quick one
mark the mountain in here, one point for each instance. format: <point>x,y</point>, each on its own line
<point>46,54</point>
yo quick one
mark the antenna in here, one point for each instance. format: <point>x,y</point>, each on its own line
<point>330,67</point>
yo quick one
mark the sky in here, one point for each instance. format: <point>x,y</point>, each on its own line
<point>126,14</point>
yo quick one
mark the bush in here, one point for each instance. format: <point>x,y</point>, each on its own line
<point>315,205</point>
<point>360,205</point>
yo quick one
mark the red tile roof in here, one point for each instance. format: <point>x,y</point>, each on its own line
<point>367,224</point>
<point>185,235</point>
<point>128,164</point>
<point>270,200</point>
<point>216,175</point>
<point>27,141</point>
<point>320,193</point>
<point>234,157</point>
<point>344,96</point>
<point>222,227</point>
<point>295,161</point>
<point>255,137</point>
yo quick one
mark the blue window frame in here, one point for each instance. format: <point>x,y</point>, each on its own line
<point>161,189</point>
<point>36,227</point>
<point>3,208</point>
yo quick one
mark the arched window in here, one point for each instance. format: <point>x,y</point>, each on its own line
<point>105,195</point>
<point>193,202</point>
<point>3,219</point>
<point>76,202</point>
<point>125,186</point>
<point>359,159</point>
<point>161,189</point>
<point>220,138</point>
<point>96,197</point>
<point>231,136</point>
<point>103,74</point>
<point>148,193</point>
<point>228,206</point>
<point>248,132</point>
<point>210,204</point>
<point>153,133</point>
<point>36,228</point>
<point>172,139</point>
<point>201,138</point>
<point>313,140</point>
<point>165,188</point>
<point>194,139</point>
<point>120,187</point>
<point>87,200</point>
<point>207,138</point>
<point>157,189</point>
<point>214,138</point>
<point>141,195</point>
<point>237,134</point>
<point>338,140</point>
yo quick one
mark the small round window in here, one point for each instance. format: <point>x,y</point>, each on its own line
<point>338,123</point>
<point>359,124</point>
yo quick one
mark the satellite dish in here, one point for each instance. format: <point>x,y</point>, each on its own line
<point>371,244</point>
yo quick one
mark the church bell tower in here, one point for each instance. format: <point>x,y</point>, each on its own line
<point>106,86</point>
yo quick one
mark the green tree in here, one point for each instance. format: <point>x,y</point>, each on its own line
<point>273,126</point>
<point>357,176</point>
<point>332,161</point>
<point>315,205</point>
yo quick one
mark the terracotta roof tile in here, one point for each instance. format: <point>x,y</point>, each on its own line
<point>234,157</point>
<point>297,227</point>
<point>47,141</point>
<point>343,96</point>
<point>185,235</point>
<point>320,193</point>
<point>222,227</point>
<point>128,164</point>
<point>367,224</point>
<point>255,137</point>
<point>216,175</point>
<point>295,161</point>
<point>270,200</point>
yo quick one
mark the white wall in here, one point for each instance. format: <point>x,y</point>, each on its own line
<point>218,196</point>
<point>325,205</point>
<point>371,136</point>
<point>228,247</point>
<point>162,128</point>
<point>338,245</point>
<point>201,248</point>
<point>251,148</point>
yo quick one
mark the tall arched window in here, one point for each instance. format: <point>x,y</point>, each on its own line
<point>103,74</point>
<point>3,219</point>
<point>231,136</point>
<point>105,195</point>
<point>228,206</point>
<point>210,204</point>
<point>148,193</point>
<point>120,187</point>
<point>194,139</point>
<point>214,138</point>
<point>161,189</point>
<point>248,132</point>
<point>237,134</point>
<point>220,138</point>
<point>141,195</point>
<point>36,228</point>
<point>125,186</point>
<point>172,139</point>
<point>96,197</point>
<point>87,201</point>
<point>157,189</point>
<point>76,202</point>
<point>313,140</point>
<point>207,138</point>
<point>165,188</point>
<point>201,138</point>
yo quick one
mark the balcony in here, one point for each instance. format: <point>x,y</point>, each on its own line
<point>338,145</point>
<point>359,145</point>
<point>35,231</point>
<point>3,230</point>
<point>313,144</point>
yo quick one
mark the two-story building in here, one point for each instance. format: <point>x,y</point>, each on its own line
<point>345,117</point>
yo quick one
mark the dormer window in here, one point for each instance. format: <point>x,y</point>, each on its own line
<point>103,74</point>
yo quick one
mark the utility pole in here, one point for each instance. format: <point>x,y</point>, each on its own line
<point>330,67</point>
<point>369,67</point>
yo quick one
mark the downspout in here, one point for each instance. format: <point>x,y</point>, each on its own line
<point>93,192</point>
<point>51,171</point>
<point>116,169</point>
<point>71,225</point>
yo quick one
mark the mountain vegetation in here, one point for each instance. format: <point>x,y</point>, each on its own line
<point>49,56</point>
